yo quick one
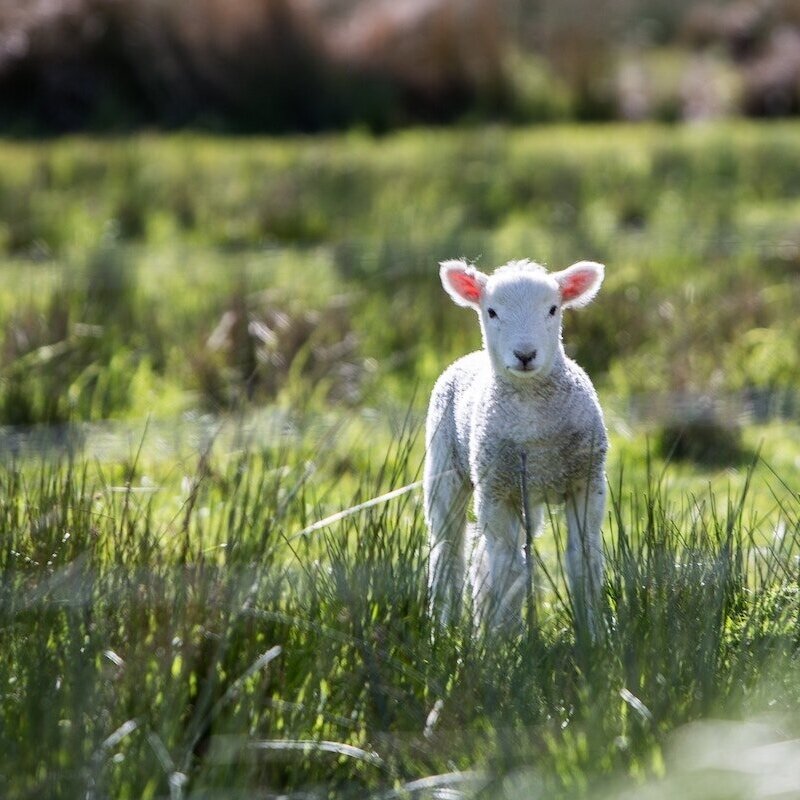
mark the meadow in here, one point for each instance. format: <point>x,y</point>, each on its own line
<point>208,345</point>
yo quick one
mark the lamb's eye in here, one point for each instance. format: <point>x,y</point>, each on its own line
<point>492,313</point>
<point>552,311</point>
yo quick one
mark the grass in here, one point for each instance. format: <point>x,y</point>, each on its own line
<point>336,239</point>
<point>272,309</point>
<point>214,653</point>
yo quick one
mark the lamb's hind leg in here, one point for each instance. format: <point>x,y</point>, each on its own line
<point>446,499</point>
<point>585,509</point>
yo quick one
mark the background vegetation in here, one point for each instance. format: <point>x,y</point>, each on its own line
<point>311,65</point>
<point>167,274</point>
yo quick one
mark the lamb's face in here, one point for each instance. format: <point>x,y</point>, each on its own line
<point>520,314</point>
<point>519,307</point>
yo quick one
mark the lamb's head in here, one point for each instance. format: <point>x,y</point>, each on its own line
<point>519,306</point>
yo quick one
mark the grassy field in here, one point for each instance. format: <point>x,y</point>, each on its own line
<point>208,345</point>
<point>335,240</point>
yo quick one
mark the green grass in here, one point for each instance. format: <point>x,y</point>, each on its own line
<point>696,227</point>
<point>166,632</point>
<point>143,647</point>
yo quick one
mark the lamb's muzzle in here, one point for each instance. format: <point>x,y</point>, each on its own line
<point>526,357</point>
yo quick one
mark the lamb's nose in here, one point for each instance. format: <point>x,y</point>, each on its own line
<point>525,358</point>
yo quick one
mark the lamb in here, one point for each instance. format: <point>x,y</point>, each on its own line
<point>519,395</point>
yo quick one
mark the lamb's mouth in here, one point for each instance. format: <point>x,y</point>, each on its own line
<point>526,371</point>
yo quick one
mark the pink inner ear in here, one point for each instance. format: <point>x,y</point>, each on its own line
<point>466,286</point>
<point>576,284</point>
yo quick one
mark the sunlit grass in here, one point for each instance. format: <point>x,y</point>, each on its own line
<point>692,224</point>
<point>158,637</point>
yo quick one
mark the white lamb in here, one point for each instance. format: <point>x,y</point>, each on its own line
<point>520,395</point>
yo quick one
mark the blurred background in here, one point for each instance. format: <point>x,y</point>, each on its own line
<point>157,260</point>
<point>210,204</point>
<point>312,65</point>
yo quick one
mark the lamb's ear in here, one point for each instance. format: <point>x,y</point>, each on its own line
<point>579,283</point>
<point>463,283</point>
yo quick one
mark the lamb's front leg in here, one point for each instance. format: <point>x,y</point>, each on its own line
<point>446,498</point>
<point>498,568</point>
<point>585,508</point>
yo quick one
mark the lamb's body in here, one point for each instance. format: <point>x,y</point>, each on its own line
<point>487,424</point>
<point>481,420</point>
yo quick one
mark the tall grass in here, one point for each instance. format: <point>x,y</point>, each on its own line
<point>193,645</point>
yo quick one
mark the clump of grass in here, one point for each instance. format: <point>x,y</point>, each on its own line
<point>709,442</point>
<point>265,346</point>
<point>77,356</point>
